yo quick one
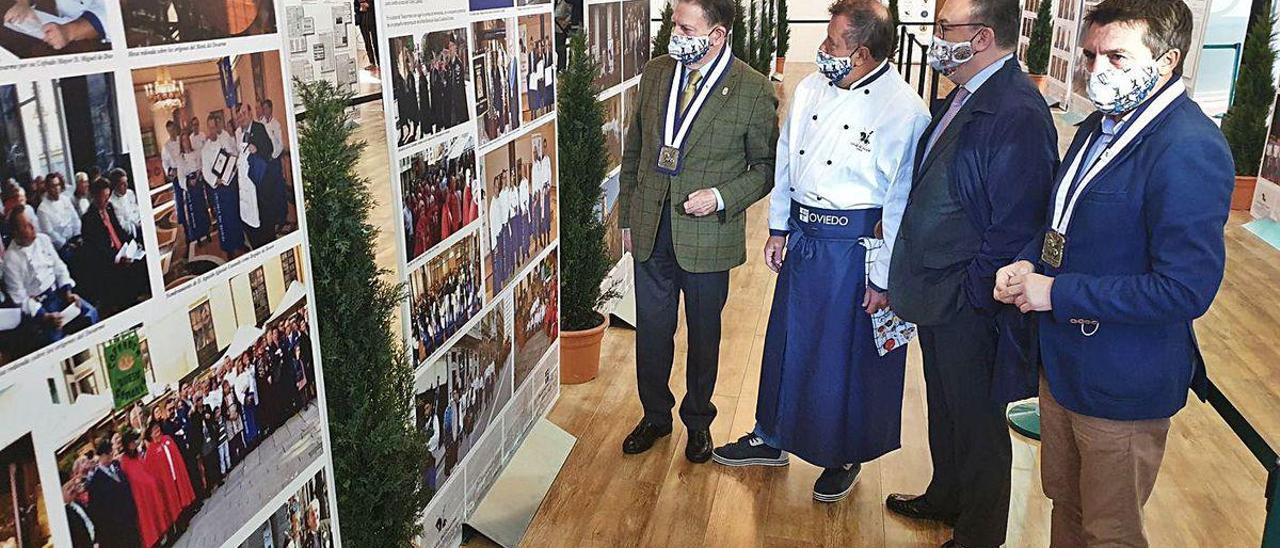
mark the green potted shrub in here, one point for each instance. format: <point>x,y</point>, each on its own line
<point>1038,46</point>
<point>664,33</point>
<point>740,32</point>
<point>784,36</point>
<point>377,452</point>
<point>1245,124</point>
<point>584,257</point>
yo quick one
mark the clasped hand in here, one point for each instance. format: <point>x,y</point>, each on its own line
<point>1018,284</point>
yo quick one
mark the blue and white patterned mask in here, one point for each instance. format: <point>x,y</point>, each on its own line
<point>1120,90</point>
<point>834,68</point>
<point>688,49</point>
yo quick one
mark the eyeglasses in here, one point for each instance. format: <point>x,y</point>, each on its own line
<point>947,27</point>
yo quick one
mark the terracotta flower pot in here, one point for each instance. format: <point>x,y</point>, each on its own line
<point>781,64</point>
<point>580,353</point>
<point>1242,197</point>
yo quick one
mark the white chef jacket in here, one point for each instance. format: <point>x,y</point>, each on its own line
<point>197,142</point>
<point>248,188</point>
<point>496,220</point>
<point>848,149</point>
<point>127,211</point>
<point>32,270</point>
<point>208,158</point>
<point>58,219</point>
<point>524,195</point>
<point>171,158</point>
<point>277,137</point>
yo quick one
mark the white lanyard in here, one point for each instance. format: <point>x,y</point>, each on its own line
<point>674,136</point>
<point>1062,215</point>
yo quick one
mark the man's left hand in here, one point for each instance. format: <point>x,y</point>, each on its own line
<point>701,203</point>
<point>1031,292</point>
<point>874,301</point>
<point>56,36</point>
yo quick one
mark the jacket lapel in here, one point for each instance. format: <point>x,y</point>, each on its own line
<point>949,135</point>
<point>924,137</point>
<point>715,102</point>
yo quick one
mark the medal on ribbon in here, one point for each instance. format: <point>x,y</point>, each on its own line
<point>677,123</point>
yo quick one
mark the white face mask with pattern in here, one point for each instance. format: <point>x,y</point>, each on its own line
<point>1119,90</point>
<point>688,49</point>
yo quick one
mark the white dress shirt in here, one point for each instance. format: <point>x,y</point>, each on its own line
<point>277,137</point>
<point>849,149</point>
<point>171,158</point>
<point>31,271</point>
<point>58,219</point>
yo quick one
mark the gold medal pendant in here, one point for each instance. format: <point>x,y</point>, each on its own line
<point>668,159</point>
<point>1055,245</point>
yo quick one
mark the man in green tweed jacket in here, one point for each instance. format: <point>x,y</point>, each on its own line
<point>686,184</point>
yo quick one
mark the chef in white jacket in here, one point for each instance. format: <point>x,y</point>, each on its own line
<point>843,174</point>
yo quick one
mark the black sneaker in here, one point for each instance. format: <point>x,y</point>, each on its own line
<point>835,483</point>
<point>749,450</point>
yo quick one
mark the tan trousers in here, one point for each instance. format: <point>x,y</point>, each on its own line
<point>1099,474</point>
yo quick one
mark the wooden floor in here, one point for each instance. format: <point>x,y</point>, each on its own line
<point>1210,491</point>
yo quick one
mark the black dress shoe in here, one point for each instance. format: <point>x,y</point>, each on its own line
<point>699,448</point>
<point>643,436</point>
<point>916,507</point>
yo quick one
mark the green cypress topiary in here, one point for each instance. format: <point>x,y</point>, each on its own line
<point>1038,45</point>
<point>664,32</point>
<point>584,258</point>
<point>764,57</point>
<point>377,453</point>
<point>1245,124</point>
<point>740,32</point>
<point>784,29</point>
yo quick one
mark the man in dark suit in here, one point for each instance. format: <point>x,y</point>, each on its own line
<point>684,197</point>
<point>367,20</point>
<point>1116,279</point>
<point>254,134</point>
<point>982,179</point>
<point>82,529</point>
<point>119,281</point>
<point>111,505</point>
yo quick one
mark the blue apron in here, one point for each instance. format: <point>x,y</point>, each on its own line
<point>827,396</point>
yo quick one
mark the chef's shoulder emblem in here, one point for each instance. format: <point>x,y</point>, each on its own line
<point>863,141</point>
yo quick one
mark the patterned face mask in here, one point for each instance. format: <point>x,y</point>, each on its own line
<point>945,57</point>
<point>834,68</point>
<point>688,49</point>
<point>1120,90</point>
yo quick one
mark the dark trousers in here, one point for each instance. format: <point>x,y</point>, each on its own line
<point>659,283</point>
<point>369,31</point>
<point>968,437</point>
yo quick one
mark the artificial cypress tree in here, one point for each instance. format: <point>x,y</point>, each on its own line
<point>784,29</point>
<point>893,12</point>
<point>377,453</point>
<point>1245,124</point>
<point>740,32</point>
<point>584,258</point>
<point>764,57</point>
<point>753,30</point>
<point>1038,45</point>
<point>663,36</point>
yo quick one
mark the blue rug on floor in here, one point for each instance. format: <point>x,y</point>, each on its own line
<point>1266,229</point>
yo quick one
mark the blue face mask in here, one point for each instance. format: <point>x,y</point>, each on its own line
<point>834,68</point>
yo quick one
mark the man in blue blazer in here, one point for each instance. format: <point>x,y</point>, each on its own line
<point>1132,253</point>
<point>984,168</point>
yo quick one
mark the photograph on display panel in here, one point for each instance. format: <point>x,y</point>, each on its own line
<point>442,523</point>
<point>461,393</point>
<point>429,83</point>
<point>446,292</point>
<point>160,22</point>
<point>185,426</point>
<point>497,78</point>
<point>441,192</point>
<point>482,5</point>
<point>635,36</point>
<point>609,214</point>
<point>520,198</point>
<point>1271,149</point>
<point>612,129</point>
<point>216,137</point>
<point>538,65</point>
<point>537,315</point>
<point>73,252</point>
<point>24,515</point>
<point>35,29</point>
<point>605,42</point>
<point>303,521</point>
<point>330,25</point>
